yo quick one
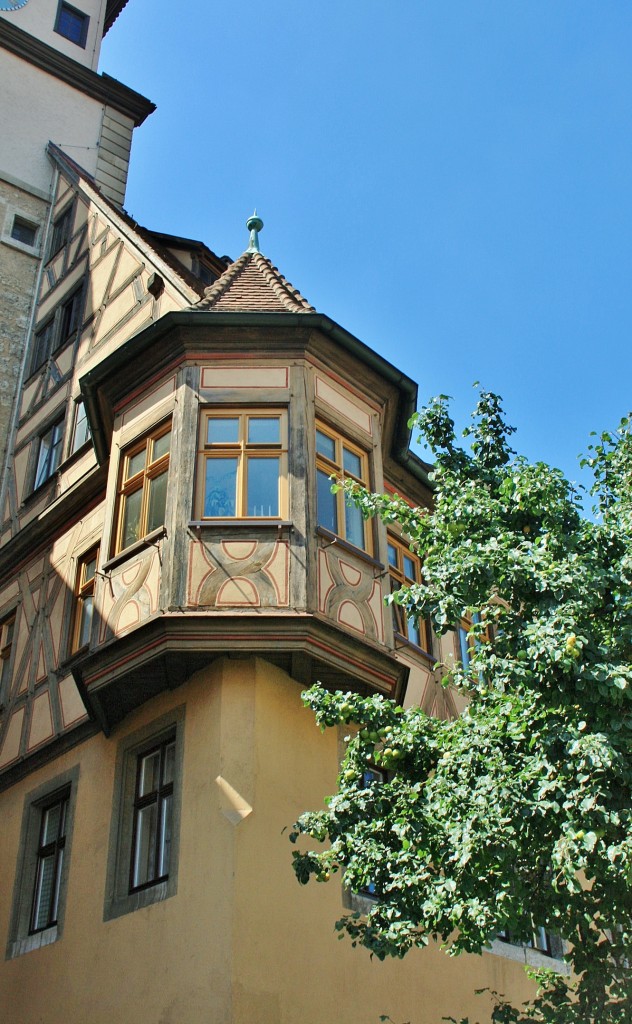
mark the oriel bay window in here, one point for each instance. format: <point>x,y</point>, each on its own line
<point>242,464</point>
<point>404,570</point>
<point>340,458</point>
<point>143,487</point>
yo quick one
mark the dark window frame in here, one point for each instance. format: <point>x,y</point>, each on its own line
<point>21,222</point>
<point>80,18</point>
<point>61,231</point>
<point>157,798</point>
<point>77,441</point>
<point>53,459</point>
<point>45,850</point>
<point>7,649</point>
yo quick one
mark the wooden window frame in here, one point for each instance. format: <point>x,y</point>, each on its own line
<point>53,458</point>
<point>243,451</point>
<point>402,622</point>
<point>7,643</point>
<point>43,341</point>
<point>335,467</point>
<point>84,591</point>
<point>140,481</point>
<point>75,445</point>
<point>54,848</point>
<point>156,797</point>
<point>61,231</point>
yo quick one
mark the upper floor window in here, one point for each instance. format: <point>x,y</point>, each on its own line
<point>61,231</point>
<point>48,453</point>
<point>7,633</point>
<point>59,330</point>
<point>336,456</point>
<point>43,344</point>
<point>72,24</point>
<point>242,464</point>
<point>404,570</point>
<point>81,428</point>
<point>143,487</point>
<point>84,599</point>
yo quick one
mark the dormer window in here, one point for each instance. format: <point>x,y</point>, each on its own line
<point>72,24</point>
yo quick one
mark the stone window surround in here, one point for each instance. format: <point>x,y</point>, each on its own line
<point>19,940</point>
<point>11,213</point>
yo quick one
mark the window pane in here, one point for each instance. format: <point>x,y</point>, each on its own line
<point>263,487</point>
<point>85,621</point>
<point>409,568</point>
<point>413,633</point>
<point>82,428</point>
<point>392,555</point>
<point>464,647</point>
<point>58,435</point>
<point>351,463</point>
<point>264,430</point>
<point>170,758</point>
<point>222,430</point>
<point>71,25</point>
<point>326,445</point>
<point>50,824</point>
<point>354,526</point>
<point>327,504</point>
<point>89,569</point>
<point>157,502</point>
<point>43,460</point>
<point>43,892</point>
<point>164,854</point>
<point>161,446</point>
<point>135,463</point>
<point>131,518</point>
<point>23,232</point>
<point>149,775</point>
<point>144,858</point>
<point>220,487</point>
<point>55,906</point>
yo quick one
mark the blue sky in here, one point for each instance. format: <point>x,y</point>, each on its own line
<point>450,180</point>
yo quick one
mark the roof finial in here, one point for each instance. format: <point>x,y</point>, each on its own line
<point>254,225</point>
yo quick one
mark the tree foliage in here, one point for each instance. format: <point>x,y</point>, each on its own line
<point>519,810</point>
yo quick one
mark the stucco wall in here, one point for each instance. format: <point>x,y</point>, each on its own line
<point>240,941</point>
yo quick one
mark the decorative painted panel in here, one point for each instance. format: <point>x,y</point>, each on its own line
<point>129,595</point>
<point>239,574</point>
<point>350,594</point>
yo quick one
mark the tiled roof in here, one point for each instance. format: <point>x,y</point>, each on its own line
<point>253,285</point>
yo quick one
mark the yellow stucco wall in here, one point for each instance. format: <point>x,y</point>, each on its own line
<point>240,942</point>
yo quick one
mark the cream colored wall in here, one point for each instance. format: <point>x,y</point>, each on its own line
<point>37,108</point>
<point>240,941</point>
<point>38,18</point>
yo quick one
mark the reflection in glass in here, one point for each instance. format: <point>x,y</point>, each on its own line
<point>354,525</point>
<point>264,430</point>
<point>327,506</point>
<point>222,430</point>
<point>351,463</point>
<point>220,487</point>
<point>157,502</point>
<point>131,518</point>
<point>263,487</point>
<point>325,445</point>
<point>146,824</point>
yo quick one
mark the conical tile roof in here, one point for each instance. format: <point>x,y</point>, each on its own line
<point>252,285</point>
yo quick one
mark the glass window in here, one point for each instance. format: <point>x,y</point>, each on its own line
<point>43,343</point>
<point>70,318</point>
<point>405,569</point>
<point>143,487</point>
<point>242,465</point>
<point>50,855</point>
<point>81,429</point>
<point>84,599</point>
<point>61,231</point>
<point>23,231</point>
<point>337,457</point>
<point>49,453</point>
<point>153,805</point>
<point>72,24</point>
<point>7,634</point>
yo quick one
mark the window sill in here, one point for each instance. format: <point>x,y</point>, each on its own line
<point>528,955</point>
<point>277,524</point>
<point>403,643</point>
<point>333,538</point>
<point>134,548</point>
<point>31,942</point>
<point>28,250</point>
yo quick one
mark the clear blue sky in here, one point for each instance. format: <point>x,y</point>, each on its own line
<point>450,180</point>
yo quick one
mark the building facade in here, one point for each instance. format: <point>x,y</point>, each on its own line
<point>174,570</point>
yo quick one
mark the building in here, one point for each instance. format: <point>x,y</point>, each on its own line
<point>174,569</point>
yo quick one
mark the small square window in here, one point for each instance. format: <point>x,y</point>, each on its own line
<point>72,24</point>
<point>24,231</point>
<point>48,453</point>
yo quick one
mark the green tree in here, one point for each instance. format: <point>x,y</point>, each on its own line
<point>518,811</point>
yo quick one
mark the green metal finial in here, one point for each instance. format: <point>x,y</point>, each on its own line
<point>254,225</point>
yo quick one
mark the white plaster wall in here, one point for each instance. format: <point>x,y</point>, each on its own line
<point>36,108</point>
<point>38,18</point>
